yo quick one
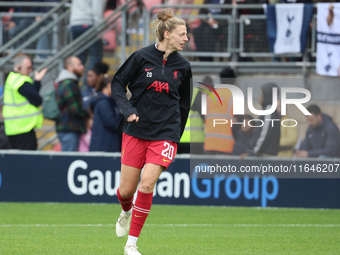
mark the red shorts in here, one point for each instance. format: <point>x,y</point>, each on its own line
<point>136,152</point>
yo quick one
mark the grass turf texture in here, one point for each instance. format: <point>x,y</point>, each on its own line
<point>231,230</point>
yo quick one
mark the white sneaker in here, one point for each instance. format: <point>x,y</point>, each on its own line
<point>131,249</point>
<point>123,224</point>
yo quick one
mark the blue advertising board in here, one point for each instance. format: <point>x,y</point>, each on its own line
<point>94,178</point>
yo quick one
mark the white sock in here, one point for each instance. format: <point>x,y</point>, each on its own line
<point>132,239</point>
<point>128,213</point>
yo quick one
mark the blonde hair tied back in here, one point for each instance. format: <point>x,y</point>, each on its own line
<point>166,22</point>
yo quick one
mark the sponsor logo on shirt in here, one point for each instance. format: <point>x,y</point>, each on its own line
<point>159,86</point>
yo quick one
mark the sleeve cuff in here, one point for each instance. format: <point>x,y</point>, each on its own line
<point>132,111</point>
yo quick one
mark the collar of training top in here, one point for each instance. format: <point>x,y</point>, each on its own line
<point>163,52</point>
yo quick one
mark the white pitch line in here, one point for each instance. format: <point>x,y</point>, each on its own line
<point>174,225</point>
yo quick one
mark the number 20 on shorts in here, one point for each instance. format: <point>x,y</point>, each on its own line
<point>168,152</point>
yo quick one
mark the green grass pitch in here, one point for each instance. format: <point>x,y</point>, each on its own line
<point>60,228</point>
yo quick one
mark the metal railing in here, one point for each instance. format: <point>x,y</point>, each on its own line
<point>92,35</point>
<point>24,37</point>
<point>49,14</point>
<point>233,47</point>
<point>243,54</point>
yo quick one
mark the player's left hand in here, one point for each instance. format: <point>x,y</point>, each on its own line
<point>132,117</point>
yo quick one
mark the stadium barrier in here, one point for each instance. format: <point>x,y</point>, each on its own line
<point>52,35</point>
<point>94,178</point>
<point>242,41</point>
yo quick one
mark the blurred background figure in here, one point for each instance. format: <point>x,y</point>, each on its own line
<point>288,134</point>
<point>94,78</point>
<point>21,111</point>
<point>219,139</point>
<point>71,122</point>
<point>91,94</point>
<point>85,138</point>
<point>85,14</point>
<point>44,42</point>
<point>106,116</point>
<point>192,140</point>
<point>183,11</point>
<point>267,138</point>
<point>14,24</point>
<point>243,135</point>
<point>210,31</point>
<point>322,137</point>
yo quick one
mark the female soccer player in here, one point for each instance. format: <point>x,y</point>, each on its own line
<point>159,79</point>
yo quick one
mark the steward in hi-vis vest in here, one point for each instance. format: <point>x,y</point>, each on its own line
<point>219,138</point>
<point>194,128</point>
<point>19,115</point>
<point>22,111</point>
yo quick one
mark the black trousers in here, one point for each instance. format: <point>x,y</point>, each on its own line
<point>25,141</point>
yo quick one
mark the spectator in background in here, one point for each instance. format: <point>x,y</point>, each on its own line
<point>94,78</point>
<point>243,134</point>
<point>184,11</point>
<point>71,122</point>
<point>85,138</point>
<point>21,110</point>
<point>267,138</point>
<point>288,134</point>
<point>17,24</point>
<point>84,15</point>
<point>44,42</point>
<point>6,20</point>
<point>192,140</point>
<point>106,116</point>
<point>90,94</point>
<point>4,141</point>
<point>219,139</point>
<point>322,136</point>
<point>210,30</point>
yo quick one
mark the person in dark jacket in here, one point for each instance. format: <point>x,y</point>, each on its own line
<point>94,78</point>
<point>106,115</point>
<point>322,136</point>
<point>159,79</point>
<point>266,139</point>
<point>243,135</point>
<point>210,30</point>
<point>71,122</point>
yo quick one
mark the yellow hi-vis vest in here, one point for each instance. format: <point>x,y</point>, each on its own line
<point>19,115</point>
<point>194,128</point>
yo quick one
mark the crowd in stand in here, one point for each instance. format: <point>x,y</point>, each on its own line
<point>252,135</point>
<point>206,34</point>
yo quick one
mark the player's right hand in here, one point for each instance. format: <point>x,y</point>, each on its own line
<point>132,117</point>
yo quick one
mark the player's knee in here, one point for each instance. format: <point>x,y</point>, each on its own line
<point>126,192</point>
<point>146,186</point>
